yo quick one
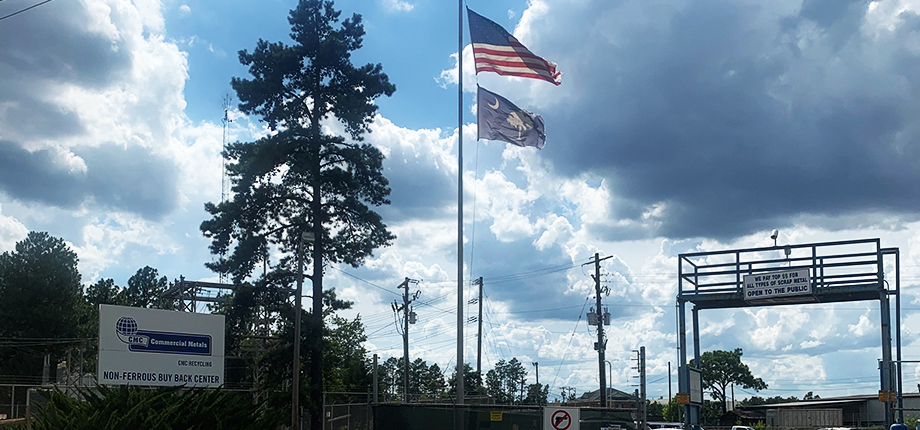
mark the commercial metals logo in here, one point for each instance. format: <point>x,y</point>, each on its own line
<point>160,342</point>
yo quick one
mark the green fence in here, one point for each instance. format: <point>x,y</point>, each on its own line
<point>493,417</point>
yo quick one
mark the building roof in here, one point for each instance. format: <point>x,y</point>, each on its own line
<point>828,401</point>
<point>745,414</point>
<point>612,394</point>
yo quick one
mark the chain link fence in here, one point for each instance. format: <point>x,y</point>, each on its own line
<point>13,399</point>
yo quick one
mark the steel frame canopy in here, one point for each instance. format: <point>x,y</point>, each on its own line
<point>827,272</point>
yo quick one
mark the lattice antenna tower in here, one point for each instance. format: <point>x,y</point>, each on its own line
<point>224,177</point>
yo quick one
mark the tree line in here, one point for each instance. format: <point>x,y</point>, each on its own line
<point>47,310</point>
<point>505,383</point>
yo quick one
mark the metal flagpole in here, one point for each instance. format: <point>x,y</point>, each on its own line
<point>460,393</point>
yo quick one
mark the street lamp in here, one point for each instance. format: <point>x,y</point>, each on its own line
<point>295,391</point>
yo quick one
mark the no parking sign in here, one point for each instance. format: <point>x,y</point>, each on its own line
<point>560,418</point>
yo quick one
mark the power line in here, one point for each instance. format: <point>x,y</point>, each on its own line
<point>532,273</point>
<point>23,10</point>
<point>570,341</point>
<point>364,280</point>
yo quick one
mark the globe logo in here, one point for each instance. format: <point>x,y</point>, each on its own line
<point>126,326</point>
<point>126,329</point>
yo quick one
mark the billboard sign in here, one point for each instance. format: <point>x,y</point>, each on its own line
<point>139,346</point>
<point>774,285</point>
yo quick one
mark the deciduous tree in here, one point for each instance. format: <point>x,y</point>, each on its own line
<point>723,368</point>
<point>673,411</point>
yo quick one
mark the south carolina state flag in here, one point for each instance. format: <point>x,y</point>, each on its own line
<point>499,119</point>
<point>496,50</point>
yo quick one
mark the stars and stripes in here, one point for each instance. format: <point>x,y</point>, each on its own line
<point>496,50</point>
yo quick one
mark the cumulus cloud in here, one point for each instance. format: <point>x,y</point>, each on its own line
<point>398,5</point>
<point>862,328</point>
<point>800,368</point>
<point>106,240</point>
<point>77,81</point>
<point>95,145</point>
<point>11,231</point>
<point>739,101</point>
<point>451,76</point>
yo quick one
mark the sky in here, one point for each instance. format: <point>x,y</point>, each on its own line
<point>680,126</point>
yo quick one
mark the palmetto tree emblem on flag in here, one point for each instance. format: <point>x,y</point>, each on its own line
<point>500,119</point>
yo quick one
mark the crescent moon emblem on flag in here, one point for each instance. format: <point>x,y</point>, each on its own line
<point>496,104</point>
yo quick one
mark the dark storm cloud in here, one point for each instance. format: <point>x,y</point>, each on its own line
<point>36,176</point>
<point>736,117</point>
<point>53,43</point>
<point>47,50</point>
<point>536,287</point>
<point>38,119</point>
<point>131,180</point>
<point>419,189</point>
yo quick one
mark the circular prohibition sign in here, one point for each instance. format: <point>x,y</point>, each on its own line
<point>561,420</point>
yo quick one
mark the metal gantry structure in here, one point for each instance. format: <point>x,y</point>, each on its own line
<point>188,294</point>
<point>827,272</point>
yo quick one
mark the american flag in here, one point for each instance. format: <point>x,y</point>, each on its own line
<point>496,50</point>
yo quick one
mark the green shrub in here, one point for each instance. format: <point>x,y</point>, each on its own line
<point>104,408</point>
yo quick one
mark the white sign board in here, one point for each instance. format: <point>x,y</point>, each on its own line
<point>771,285</point>
<point>140,346</point>
<point>555,418</point>
<point>696,386</point>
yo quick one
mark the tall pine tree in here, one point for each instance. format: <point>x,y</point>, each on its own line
<point>300,179</point>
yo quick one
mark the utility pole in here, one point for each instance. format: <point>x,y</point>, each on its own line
<point>600,320</point>
<point>539,387</point>
<point>408,318</point>
<point>669,384</point>
<point>479,339</point>
<point>375,380</point>
<point>733,397</point>
<point>567,394</point>
<point>643,413</point>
